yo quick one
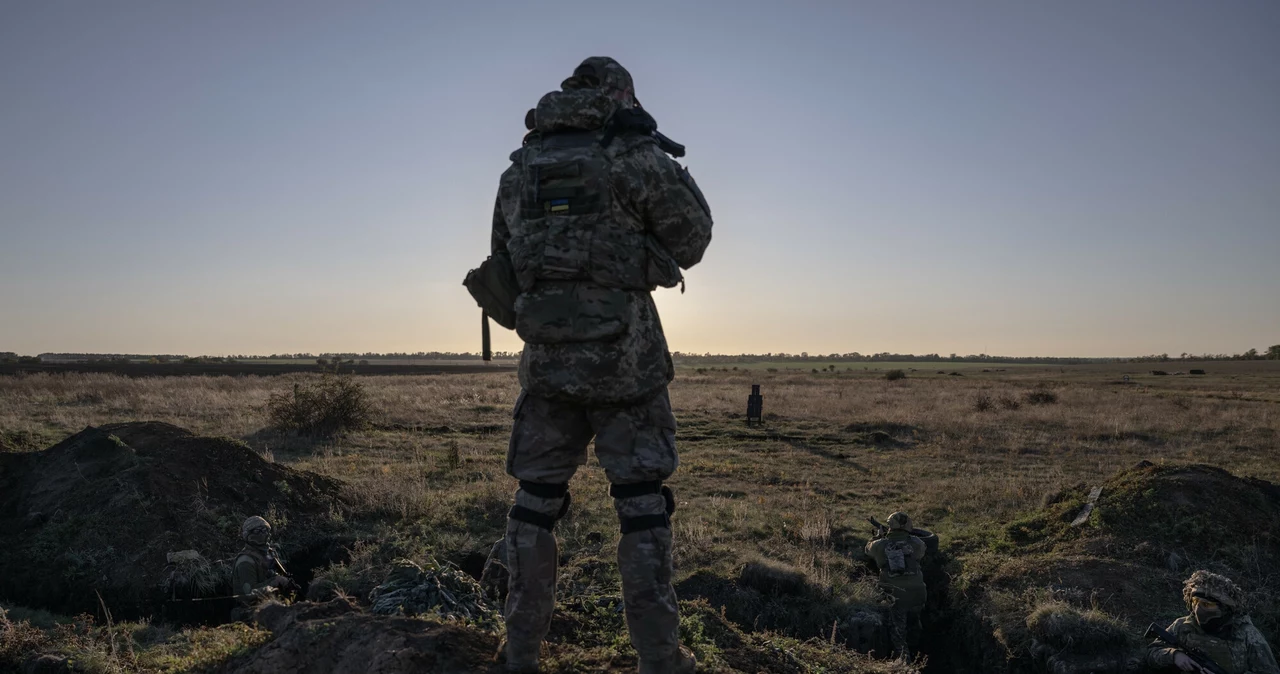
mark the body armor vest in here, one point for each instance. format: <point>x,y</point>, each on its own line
<point>901,558</point>
<point>1220,650</point>
<point>568,229</point>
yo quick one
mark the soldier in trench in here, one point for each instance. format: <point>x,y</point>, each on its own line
<point>257,572</point>
<point>898,555</point>
<point>1218,627</point>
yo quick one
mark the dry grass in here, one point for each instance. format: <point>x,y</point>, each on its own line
<point>835,448</point>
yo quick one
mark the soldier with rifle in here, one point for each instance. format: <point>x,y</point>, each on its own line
<point>593,215</point>
<point>257,572</point>
<point>898,554</point>
<point>1216,637</point>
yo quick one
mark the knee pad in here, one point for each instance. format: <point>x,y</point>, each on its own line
<point>645,522</point>
<point>542,490</point>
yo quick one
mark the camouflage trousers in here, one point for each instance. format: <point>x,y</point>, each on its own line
<point>633,444</point>
<point>905,631</point>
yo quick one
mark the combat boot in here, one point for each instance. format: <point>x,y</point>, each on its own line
<point>682,662</point>
<point>519,660</point>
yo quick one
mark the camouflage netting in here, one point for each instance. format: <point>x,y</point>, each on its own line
<point>143,512</point>
<point>441,590</point>
<point>1040,595</point>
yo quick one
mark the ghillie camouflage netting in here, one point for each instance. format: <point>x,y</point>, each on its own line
<point>440,590</point>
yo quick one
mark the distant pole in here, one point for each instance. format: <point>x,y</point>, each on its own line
<point>755,406</point>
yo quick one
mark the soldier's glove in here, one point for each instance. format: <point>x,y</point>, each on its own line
<point>265,592</point>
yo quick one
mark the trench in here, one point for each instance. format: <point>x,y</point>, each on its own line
<point>953,638</point>
<point>302,566</point>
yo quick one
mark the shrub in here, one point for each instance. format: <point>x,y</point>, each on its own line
<point>895,375</point>
<point>335,404</point>
<point>1065,627</point>
<point>1009,403</point>
<point>983,403</point>
<point>1041,397</point>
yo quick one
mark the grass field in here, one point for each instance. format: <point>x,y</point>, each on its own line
<point>836,447</point>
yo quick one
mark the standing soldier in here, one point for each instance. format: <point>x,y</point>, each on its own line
<point>593,216</point>
<point>1218,628</point>
<point>257,570</point>
<point>898,555</point>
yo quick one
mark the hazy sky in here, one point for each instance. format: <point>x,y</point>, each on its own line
<point>1067,178</point>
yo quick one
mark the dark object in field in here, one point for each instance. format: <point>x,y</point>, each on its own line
<point>983,403</point>
<point>894,375</point>
<point>1197,372</point>
<point>1154,631</point>
<point>755,406</point>
<point>1159,373</point>
<point>1041,397</point>
<point>956,374</point>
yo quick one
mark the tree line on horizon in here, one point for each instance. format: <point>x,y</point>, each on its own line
<point>1270,353</point>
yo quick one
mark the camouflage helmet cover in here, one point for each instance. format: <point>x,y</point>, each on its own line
<point>899,521</point>
<point>253,524</point>
<point>601,72</point>
<point>1212,586</point>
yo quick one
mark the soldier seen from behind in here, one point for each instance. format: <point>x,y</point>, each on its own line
<point>257,572</point>
<point>593,216</point>
<point>898,555</point>
<point>1217,628</point>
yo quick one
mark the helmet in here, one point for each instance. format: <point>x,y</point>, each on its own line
<point>601,72</point>
<point>899,521</point>
<point>1212,586</point>
<point>252,525</point>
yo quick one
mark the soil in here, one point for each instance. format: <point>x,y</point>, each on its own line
<point>336,637</point>
<point>1151,528</point>
<point>98,512</point>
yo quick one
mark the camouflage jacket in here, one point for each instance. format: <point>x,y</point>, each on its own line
<point>909,583</point>
<point>252,571</point>
<point>1239,649</point>
<point>651,199</point>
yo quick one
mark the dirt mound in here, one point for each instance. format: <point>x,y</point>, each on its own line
<point>100,510</point>
<point>1065,590</point>
<point>1164,514</point>
<point>337,638</point>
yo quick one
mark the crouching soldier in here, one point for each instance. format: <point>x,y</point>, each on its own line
<point>1217,628</point>
<point>898,555</point>
<point>257,572</point>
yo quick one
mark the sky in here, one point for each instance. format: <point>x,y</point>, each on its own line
<point>1086,178</point>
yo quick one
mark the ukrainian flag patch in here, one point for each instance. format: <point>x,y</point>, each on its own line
<point>558,205</point>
